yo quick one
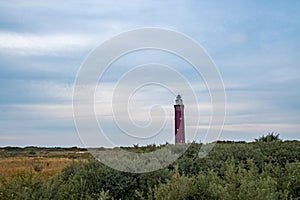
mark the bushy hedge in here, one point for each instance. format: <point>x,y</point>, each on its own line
<point>232,170</point>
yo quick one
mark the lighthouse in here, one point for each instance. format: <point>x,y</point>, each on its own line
<point>179,120</point>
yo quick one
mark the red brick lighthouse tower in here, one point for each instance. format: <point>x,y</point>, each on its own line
<point>179,120</point>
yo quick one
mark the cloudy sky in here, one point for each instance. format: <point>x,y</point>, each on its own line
<point>254,44</point>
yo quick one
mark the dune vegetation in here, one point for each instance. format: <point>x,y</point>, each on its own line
<point>267,168</point>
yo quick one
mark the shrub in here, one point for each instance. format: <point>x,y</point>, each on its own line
<point>22,186</point>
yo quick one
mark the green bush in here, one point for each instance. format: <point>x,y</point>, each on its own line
<point>22,186</point>
<point>232,170</point>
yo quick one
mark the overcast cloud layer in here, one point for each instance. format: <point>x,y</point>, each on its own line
<point>255,45</point>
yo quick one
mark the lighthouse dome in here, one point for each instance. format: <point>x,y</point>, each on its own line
<point>179,100</point>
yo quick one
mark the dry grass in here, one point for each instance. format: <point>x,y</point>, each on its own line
<point>43,164</point>
<point>45,167</point>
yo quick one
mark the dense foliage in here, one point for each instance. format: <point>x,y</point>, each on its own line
<point>264,169</point>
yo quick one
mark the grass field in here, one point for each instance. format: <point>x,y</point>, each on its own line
<point>46,167</point>
<point>45,163</point>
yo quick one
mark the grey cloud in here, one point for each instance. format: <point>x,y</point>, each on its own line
<point>254,44</point>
